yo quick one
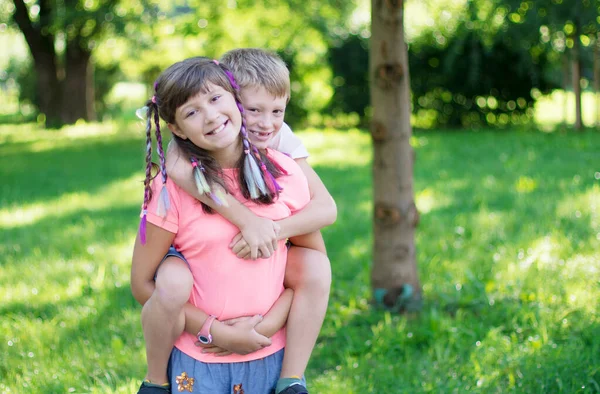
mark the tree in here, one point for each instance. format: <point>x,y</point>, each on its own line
<point>563,24</point>
<point>61,36</point>
<point>394,276</point>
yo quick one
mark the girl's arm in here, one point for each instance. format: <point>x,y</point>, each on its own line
<point>272,322</point>
<point>260,234</point>
<point>146,259</point>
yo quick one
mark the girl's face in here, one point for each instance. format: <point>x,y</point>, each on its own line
<point>210,120</point>
<point>264,114</point>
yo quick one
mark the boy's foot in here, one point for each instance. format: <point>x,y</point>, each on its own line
<point>295,388</point>
<point>151,388</point>
<point>292,385</point>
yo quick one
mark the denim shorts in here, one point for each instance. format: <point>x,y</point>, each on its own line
<point>253,377</point>
<point>172,252</point>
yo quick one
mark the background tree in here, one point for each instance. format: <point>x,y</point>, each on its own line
<point>61,36</point>
<point>394,275</point>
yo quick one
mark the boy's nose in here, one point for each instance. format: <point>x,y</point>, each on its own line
<point>265,121</point>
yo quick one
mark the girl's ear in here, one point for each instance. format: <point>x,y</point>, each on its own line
<point>175,130</point>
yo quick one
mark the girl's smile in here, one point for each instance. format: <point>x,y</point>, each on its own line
<point>211,120</point>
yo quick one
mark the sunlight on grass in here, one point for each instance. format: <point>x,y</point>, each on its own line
<point>551,109</point>
<point>341,149</point>
<point>119,193</point>
<point>428,200</point>
<point>507,251</point>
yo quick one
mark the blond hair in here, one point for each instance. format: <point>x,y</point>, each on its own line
<point>256,67</point>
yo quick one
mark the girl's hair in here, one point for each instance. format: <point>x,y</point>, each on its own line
<point>173,88</point>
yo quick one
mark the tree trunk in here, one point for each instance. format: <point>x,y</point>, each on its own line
<point>44,59</point>
<point>565,85</point>
<point>576,63</point>
<point>394,276</point>
<point>597,78</point>
<point>76,85</point>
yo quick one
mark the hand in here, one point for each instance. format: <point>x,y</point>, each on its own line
<point>258,238</point>
<point>217,350</point>
<point>240,338</point>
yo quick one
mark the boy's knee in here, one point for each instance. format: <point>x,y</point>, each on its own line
<point>308,269</point>
<point>174,283</point>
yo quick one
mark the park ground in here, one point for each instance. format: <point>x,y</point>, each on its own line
<point>508,254</point>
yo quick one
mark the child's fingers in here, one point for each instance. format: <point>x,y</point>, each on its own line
<point>265,251</point>
<point>235,240</point>
<point>222,354</point>
<point>239,246</point>
<point>213,349</point>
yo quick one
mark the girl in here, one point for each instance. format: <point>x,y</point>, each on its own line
<point>197,100</point>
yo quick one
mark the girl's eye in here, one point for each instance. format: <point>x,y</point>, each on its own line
<point>215,98</point>
<point>252,110</point>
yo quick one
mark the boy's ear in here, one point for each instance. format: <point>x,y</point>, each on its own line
<point>175,130</point>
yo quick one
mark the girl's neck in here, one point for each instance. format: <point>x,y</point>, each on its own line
<point>229,156</point>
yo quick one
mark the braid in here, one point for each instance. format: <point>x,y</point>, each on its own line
<point>163,203</point>
<point>147,188</point>
<point>259,180</point>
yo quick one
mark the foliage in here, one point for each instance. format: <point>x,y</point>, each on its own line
<point>508,257</point>
<point>21,72</point>
<point>349,61</point>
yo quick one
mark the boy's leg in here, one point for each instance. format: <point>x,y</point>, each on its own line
<point>163,319</point>
<point>308,273</point>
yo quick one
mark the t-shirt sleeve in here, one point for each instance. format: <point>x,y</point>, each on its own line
<point>287,142</point>
<point>171,221</point>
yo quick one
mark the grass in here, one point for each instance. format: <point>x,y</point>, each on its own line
<point>508,252</point>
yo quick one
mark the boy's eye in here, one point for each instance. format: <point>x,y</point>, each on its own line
<point>190,113</point>
<point>278,112</point>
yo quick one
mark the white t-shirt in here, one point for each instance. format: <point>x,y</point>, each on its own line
<point>286,142</point>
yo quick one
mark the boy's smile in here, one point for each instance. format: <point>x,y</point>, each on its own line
<point>264,114</point>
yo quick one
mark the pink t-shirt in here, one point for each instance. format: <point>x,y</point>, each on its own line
<point>224,285</point>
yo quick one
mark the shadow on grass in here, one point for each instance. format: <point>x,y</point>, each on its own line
<point>82,165</point>
<point>69,236</point>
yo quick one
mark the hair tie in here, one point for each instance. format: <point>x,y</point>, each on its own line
<point>154,99</point>
<point>215,61</point>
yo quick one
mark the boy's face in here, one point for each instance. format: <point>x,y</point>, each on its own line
<point>264,114</point>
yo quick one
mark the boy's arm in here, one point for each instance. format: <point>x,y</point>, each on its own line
<point>259,233</point>
<point>320,212</point>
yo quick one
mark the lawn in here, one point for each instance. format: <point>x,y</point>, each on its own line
<point>508,254</point>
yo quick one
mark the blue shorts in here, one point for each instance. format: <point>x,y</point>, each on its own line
<point>254,377</point>
<point>172,252</point>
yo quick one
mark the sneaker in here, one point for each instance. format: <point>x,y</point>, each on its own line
<point>296,388</point>
<point>151,388</point>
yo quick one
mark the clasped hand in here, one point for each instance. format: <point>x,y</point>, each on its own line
<point>257,238</point>
<point>241,338</point>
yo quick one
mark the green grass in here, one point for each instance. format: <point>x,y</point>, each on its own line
<point>508,252</point>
